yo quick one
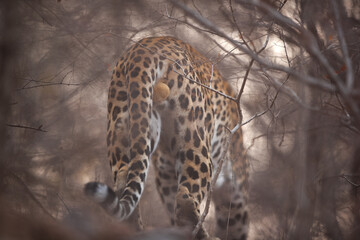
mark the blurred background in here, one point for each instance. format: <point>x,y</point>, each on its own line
<point>298,61</point>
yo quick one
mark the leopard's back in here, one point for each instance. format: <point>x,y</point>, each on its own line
<point>159,108</point>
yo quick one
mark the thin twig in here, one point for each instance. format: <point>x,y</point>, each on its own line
<point>27,127</point>
<point>289,92</point>
<point>48,83</point>
<point>310,80</point>
<point>213,182</point>
<point>193,2</point>
<point>187,23</point>
<point>63,202</point>
<point>69,31</point>
<point>189,78</point>
<point>28,191</point>
<point>313,49</point>
<point>238,98</point>
<point>205,86</point>
<point>351,182</point>
<point>344,48</point>
<point>38,13</point>
<point>237,26</point>
<point>268,109</point>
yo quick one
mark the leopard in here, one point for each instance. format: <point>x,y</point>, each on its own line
<point>169,106</point>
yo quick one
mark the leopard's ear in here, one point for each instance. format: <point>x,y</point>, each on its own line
<point>161,92</point>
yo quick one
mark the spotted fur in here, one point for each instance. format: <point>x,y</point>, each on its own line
<point>155,112</point>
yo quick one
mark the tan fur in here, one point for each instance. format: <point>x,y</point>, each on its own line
<point>161,92</point>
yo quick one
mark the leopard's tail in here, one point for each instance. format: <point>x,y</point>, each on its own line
<point>130,152</point>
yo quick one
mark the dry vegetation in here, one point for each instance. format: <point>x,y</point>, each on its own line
<point>297,60</point>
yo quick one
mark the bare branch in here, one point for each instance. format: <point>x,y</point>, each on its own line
<point>344,48</point>
<point>288,91</point>
<point>349,181</point>
<point>187,23</point>
<point>63,202</point>
<point>189,78</point>
<point>237,26</point>
<point>28,191</point>
<point>269,107</point>
<point>27,127</point>
<point>213,182</point>
<point>205,86</point>
<point>47,84</point>
<point>312,81</point>
<point>38,13</point>
<point>248,70</point>
<point>312,47</point>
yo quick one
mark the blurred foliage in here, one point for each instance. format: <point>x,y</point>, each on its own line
<point>56,62</point>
